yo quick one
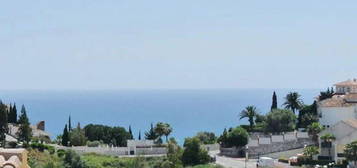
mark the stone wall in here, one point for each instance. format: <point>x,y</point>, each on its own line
<point>260,144</point>
<point>118,151</point>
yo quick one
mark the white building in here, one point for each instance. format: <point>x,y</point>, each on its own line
<point>342,106</point>
<point>345,132</point>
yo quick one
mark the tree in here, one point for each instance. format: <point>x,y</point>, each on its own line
<point>223,138</point>
<point>12,114</point>
<point>151,134</point>
<point>25,131</point>
<point>73,160</point>
<point>193,154</point>
<point>307,115</point>
<point>237,137</point>
<point>274,104</point>
<point>139,138</point>
<point>131,133</point>
<point>77,137</point>
<point>65,136</point>
<point>310,151</point>
<point>167,130</point>
<point>351,152</point>
<point>207,137</point>
<point>327,94</point>
<point>328,138</point>
<point>174,154</point>
<point>293,101</point>
<point>280,120</point>
<point>3,123</point>
<point>69,124</point>
<point>249,112</point>
<point>116,136</point>
<point>314,129</point>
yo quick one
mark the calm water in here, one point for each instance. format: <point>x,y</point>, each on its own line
<point>188,111</point>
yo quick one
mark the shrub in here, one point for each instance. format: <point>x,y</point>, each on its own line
<point>93,143</point>
<point>237,137</point>
<point>283,160</point>
<point>194,154</point>
<point>61,152</point>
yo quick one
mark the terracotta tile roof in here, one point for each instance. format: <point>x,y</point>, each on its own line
<point>347,83</point>
<point>340,101</point>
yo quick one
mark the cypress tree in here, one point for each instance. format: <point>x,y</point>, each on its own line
<point>131,133</point>
<point>25,131</point>
<point>274,104</point>
<point>65,137</point>
<point>69,124</point>
<point>9,114</point>
<point>139,138</point>
<point>3,123</point>
<point>14,114</point>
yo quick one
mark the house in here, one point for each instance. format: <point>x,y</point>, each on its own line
<point>341,106</point>
<point>345,132</point>
<point>38,130</point>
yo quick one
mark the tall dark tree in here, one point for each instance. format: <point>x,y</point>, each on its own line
<point>25,131</point>
<point>151,134</point>
<point>131,132</point>
<point>65,136</point>
<point>12,117</point>
<point>3,123</point>
<point>139,138</point>
<point>274,104</point>
<point>69,124</point>
<point>9,111</point>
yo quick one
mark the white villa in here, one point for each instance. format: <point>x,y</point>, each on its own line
<point>342,106</point>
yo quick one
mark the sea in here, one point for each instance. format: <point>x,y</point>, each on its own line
<point>188,111</point>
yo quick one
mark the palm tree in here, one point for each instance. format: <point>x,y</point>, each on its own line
<point>293,101</point>
<point>167,131</point>
<point>314,129</point>
<point>249,112</point>
<point>328,138</point>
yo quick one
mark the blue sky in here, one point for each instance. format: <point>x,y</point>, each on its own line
<point>86,44</point>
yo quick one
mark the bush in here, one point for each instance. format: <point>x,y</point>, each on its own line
<point>283,160</point>
<point>280,120</point>
<point>93,143</point>
<point>61,152</point>
<point>12,144</point>
<point>237,137</point>
<point>194,154</point>
<point>42,147</point>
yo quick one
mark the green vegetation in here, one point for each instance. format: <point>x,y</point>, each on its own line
<point>236,137</point>
<point>77,137</point>
<point>351,152</point>
<point>307,115</point>
<point>293,101</point>
<point>280,120</point>
<point>25,131</point>
<point>249,112</point>
<point>163,129</point>
<point>116,136</point>
<point>151,134</point>
<point>194,154</point>
<point>274,104</point>
<point>3,123</point>
<point>314,129</point>
<point>207,137</point>
<point>65,136</point>
<point>310,151</point>
<point>12,114</point>
<point>327,94</point>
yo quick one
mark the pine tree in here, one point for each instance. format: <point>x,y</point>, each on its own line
<point>25,131</point>
<point>65,136</point>
<point>139,138</point>
<point>274,104</point>
<point>131,133</point>
<point>3,123</point>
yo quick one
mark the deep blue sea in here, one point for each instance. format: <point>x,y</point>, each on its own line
<point>188,111</point>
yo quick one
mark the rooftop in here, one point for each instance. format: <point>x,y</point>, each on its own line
<point>350,82</point>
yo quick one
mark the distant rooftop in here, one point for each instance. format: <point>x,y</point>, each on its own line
<point>350,82</point>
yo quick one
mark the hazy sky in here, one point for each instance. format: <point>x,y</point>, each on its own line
<point>74,44</point>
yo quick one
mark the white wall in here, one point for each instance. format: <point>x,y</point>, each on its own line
<point>331,115</point>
